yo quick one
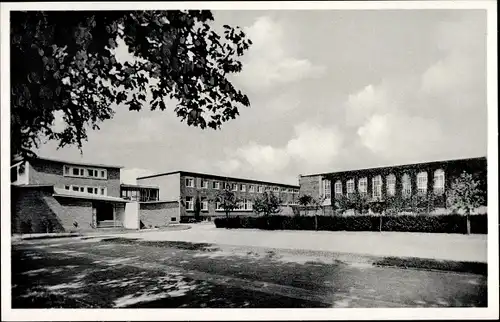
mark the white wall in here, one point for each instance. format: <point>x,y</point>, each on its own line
<point>170,185</point>
<point>128,215</point>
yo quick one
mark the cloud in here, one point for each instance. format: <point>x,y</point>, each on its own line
<point>399,136</point>
<point>269,61</point>
<point>312,148</point>
<point>131,174</point>
<point>315,145</point>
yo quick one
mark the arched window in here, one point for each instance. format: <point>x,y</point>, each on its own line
<point>350,187</point>
<point>391,185</point>
<point>439,181</point>
<point>422,183</point>
<point>338,188</point>
<point>327,191</point>
<point>377,187</point>
<point>406,182</point>
<point>363,185</point>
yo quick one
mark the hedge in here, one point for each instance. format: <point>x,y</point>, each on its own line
<point>401,223</point>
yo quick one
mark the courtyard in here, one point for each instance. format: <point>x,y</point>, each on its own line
<point>144,270</point>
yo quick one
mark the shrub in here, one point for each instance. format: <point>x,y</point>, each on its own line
<point>400,223</point>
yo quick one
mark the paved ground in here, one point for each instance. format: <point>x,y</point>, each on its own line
<point>121,272</point>
<point>436,246</point>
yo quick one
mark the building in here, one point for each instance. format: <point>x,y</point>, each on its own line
<point>190,191</point>
<point>50,195</point>
<point>400,180</point>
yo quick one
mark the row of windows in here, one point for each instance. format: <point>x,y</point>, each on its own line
<point>85,172</point>
<point>245,204</point>
<point>103,191</point>
<point>422,181</point>
<point>204,184</point>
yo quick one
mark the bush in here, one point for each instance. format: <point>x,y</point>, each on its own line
<point>400,223</point>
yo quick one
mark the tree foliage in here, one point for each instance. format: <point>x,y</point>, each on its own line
<point>465,195</point>
<point>64,62</point>
<point>227,200</point>
<point>267,204</point>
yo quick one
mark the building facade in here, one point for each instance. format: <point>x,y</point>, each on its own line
<point>51,195</point>
<point>197,192</point>
<point>401,180</point>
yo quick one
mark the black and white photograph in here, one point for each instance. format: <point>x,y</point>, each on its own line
<point>312,159</point>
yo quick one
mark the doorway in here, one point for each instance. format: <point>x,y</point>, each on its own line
<point>103,213</point>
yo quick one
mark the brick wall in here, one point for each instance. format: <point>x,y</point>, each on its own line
<point>51,172</point>
<point>37,207</point>
<point>158,214</point>
<point>310,185</point>
<point>211,194</point>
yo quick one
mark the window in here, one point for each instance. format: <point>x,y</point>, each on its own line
<point>227,186</point>
<point>276,189</point>
<point>90,190</point>
<point>204,204</point>
<point>204,184</point>
<point>67,187</point>
<point>84,172</point>
<point>260,189</point>
<point>189,203</point>
<point>251,188</point>
<point>234,187</point>
<point>422,183</point>
<point>406,182</point>
<point>190,182</point>
<point>103,191</point>
<point>338,188</point>
<point>350,187</point>
<point>249,205</point>
<point>377,187</point>
<point>439,182</point>
<point>216,185</point>
<point>363,185</point>
<point>75,188</point>
<point>391,185</point>
<point>173,219</point>
<point>218,206</point>
<point>243,187</point>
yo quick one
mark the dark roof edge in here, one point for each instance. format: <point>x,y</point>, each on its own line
<point>392,166</point>
<point>77,162</point>
<point>218,176</point>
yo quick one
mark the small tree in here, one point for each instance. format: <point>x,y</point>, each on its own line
<point>465,196</point>
<point>197,209</point>
<point>267,204</point>
<point>305,201</point>
<point>227,200</point>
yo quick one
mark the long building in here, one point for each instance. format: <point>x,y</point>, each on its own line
<point>183,189</point>
<point>402,180</point>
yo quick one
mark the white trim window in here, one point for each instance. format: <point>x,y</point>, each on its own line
<point>234,187</point>
<point>350,187</point>
<point>85,172</point>
<point>251,188</point>
<point>204,204</point>
<point>338,188</point>
<point>92,190</point>
<point>422,183</point>
<point>204,184</point>
<point>190,203</point>
<point>216,185</point>
<point>406,183</point>
<point>243,187</point>
<point>189,182</point>
<point>326,189</point>
<point>377,187</point>
<point>276,189</point>
<point>218,206</point>
<point>260,189</point>
<point>248,204</point>
<point>439,181</point>
<point>391,184</point>
<point>363,185</point>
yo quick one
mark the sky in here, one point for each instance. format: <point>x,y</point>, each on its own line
<point>330,90</point>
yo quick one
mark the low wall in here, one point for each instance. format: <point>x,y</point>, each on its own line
<point>158,214</point>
